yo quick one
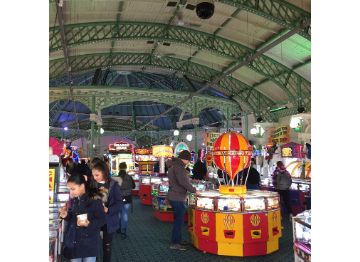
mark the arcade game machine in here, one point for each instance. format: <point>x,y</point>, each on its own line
<point>301,225</point>
<point>120,152</point>
<point>301,186</point>
<point>160,202</point>
<point>234,221</point>
<point>146,160</point>
<point>300,190</point>
<point>58,190</point>
<point>123,152</point>
<point>145,187</point>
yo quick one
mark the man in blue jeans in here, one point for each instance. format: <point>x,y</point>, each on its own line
<point>178,186</point>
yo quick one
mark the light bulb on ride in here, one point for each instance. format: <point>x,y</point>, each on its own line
<point>101,131</point>
<point>176,132</point>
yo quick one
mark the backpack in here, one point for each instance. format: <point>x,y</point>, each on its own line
<point>283,181</point>
<point>126,186</point>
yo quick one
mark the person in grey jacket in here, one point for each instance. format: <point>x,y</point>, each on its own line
<point>178,186</point>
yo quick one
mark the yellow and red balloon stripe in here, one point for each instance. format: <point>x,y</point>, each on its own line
<point>235,163</point>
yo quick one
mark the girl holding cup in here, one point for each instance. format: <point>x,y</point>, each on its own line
<point>85,219</point>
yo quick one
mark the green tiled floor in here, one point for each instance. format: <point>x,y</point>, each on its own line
<point>149,240</point>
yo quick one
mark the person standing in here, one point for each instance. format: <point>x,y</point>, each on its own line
<point>199,170</point>
<point>178,186</point>
<point>126,184</point>
<point>253,182</point>
<point>72,167</point>
<point>83,167</point>
<point>111,189</point>
<point>82,240</point>
<point>92,163</point>
<point>282,182</point>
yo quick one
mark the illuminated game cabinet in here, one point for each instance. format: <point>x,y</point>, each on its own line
<point>145,188</point>
<point>246,224</point>
<point>160,202</point>
<point>146,160</point>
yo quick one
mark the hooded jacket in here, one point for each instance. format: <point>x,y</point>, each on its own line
<point>178,180</point>
<point>126,184</point>
<point>114,204</point>
<point>83,242</point>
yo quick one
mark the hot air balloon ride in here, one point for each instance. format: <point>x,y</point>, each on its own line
<point>232,153</point>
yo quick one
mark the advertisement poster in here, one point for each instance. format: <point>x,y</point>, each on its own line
<point>279,134</point>
<point>210,138</point>
<point>51,185</point>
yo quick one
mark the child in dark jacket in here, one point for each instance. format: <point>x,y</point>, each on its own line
<point>113,203</point>
<point>83,238</point>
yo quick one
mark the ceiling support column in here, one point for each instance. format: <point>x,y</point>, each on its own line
<point>195,131</point>
<point>92,129</point>
<point>99,141</point>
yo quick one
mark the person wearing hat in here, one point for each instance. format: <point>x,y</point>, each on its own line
<point>178,186</point>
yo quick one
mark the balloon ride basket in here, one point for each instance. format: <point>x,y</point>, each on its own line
<point>236,189</point>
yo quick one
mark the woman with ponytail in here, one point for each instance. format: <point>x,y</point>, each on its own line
<point>83,238</point>
<point>112,204</point>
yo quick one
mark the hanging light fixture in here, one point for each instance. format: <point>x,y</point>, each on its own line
<point>176,132</point>
<point>101,131</point>
<point>189,137</point>
<point>65,128</point>
<point>253,131</point>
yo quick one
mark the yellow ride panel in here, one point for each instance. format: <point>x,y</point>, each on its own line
<point>229,228</point>
<point>272,246</point>
<point>274,225</point>
<point>195,240</point>
<point>233,190</point>
<point>230,249</point>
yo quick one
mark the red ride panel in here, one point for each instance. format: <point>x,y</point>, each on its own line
<point>205,225</point>
<point>255,228</point>
<point>209,246</point>
<point>145,194</point>
<point>254,249</point>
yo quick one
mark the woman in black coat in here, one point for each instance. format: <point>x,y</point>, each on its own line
<point>199,170</point>
<point>82,239</point>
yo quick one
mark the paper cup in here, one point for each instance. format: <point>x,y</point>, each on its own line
<point>82,218</point>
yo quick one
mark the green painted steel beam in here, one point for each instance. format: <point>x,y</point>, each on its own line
<point>100,97</point>
<point>133,115</point>
<point>175,13</point>
<point>127,81</point>
<point>272,38</point>
<point>188,83</point>
<point>112,79</point>
<point>264,65</point>
<point>90,62</point>
<point>301,64</point>
<point>227,21</point>
<point>278,11</point>
<point>194,54</point>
